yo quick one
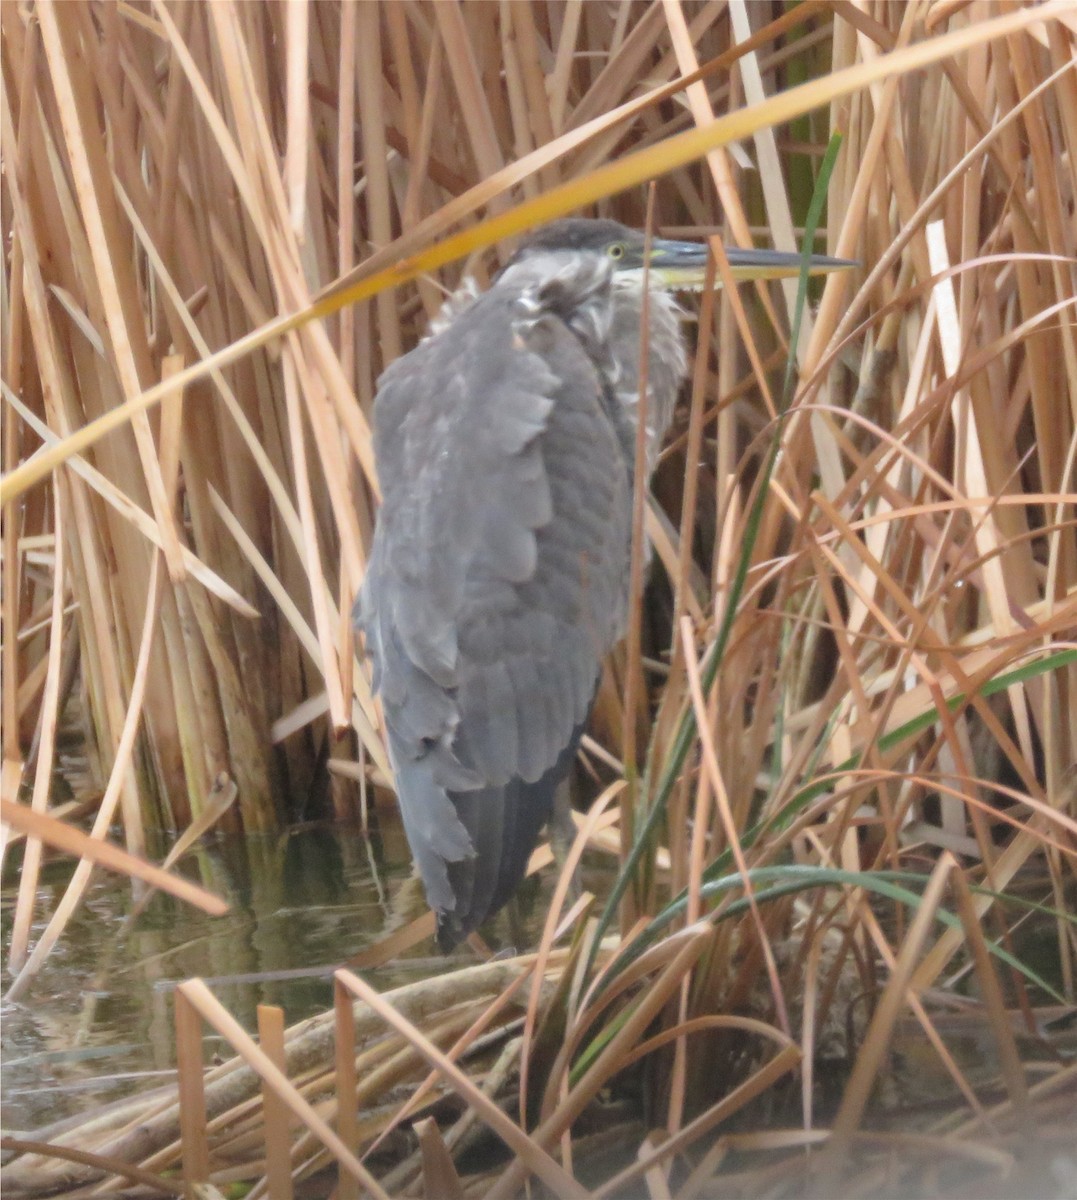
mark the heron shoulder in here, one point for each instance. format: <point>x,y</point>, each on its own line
<point>455,304</point>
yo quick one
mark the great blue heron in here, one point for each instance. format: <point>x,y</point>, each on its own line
<point>498,580</point>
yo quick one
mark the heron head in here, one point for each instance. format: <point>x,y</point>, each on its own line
<point>671,264</point>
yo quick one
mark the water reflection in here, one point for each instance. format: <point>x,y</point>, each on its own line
<point>98,1018</point>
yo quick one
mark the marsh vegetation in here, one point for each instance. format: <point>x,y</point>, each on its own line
<point>834,949</point>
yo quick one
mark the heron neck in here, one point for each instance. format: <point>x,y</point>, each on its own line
<point>610,329</point>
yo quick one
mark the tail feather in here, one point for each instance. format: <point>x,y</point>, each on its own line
<point>504,824</point>
<point>487,817</point>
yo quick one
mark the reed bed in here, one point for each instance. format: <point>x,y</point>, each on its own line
<point>846,793</point>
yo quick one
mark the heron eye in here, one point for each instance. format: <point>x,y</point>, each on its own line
<point>617,250</point>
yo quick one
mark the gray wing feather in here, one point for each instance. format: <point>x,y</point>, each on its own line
<point>435,832</point>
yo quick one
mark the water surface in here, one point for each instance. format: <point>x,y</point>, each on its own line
<point>97,1022</point>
